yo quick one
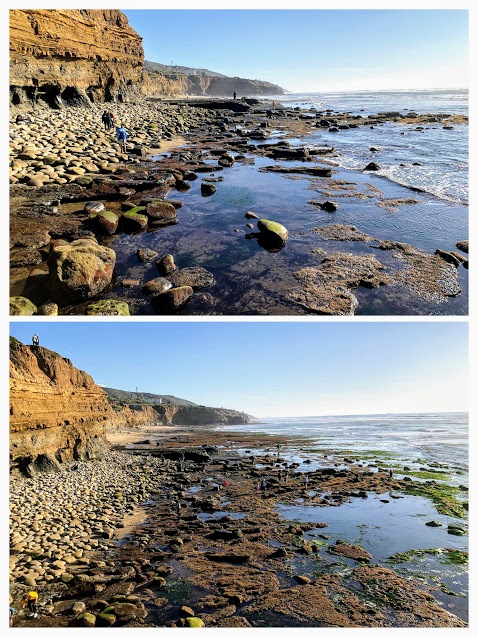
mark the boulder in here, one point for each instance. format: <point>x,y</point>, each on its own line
<point>79,270</point>
<point>94,207</point>
<point>195,277</point>
<point>133,220</point>
<point>166,265</point>
<point>157,286</point>
<point>194,622</point>
<point>107,221</point>
<point>160,209</point>
<point>172,300</point>
<point>207,189</point>
<point>108,307</point>
<point>462,245</point>
<point>273,233</point>
<point>329,206</point>
<point>21,306</point>
<point>145,254</point>
<point>372,166</point>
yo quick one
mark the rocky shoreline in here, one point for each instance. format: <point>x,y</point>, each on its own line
<point>163,533</point>
<point>73,193</point>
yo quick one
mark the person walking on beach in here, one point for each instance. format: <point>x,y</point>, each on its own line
<point>105,118</point>
<point>35,340</point>
<point>263,485</point>
<point>112,119</point>
<point>121,136</point>
<point>30,600</point>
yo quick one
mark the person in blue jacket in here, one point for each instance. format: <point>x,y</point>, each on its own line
<point>121,136</point>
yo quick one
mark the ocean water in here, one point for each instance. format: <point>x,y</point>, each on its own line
<point>432,438</point>
<point>442,154</point>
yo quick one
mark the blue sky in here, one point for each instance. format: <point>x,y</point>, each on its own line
<point>273,368</point>
<point>319,50</point>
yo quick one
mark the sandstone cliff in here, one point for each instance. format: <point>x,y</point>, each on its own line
<point>78,56</point>
<point>191,416</point>
<point>73,56</point>
<point>57,412</point>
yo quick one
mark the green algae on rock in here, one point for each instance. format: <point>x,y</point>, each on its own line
<point>108,307</point>
<point>21,306</point>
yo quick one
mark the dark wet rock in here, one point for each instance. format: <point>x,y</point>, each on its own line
<point>48,309</point>
<point>459,257</point>
<point>433,523</point>
<point>342,232</point>
<point>94,207</point>
<point>372,149</point>
<point>157,286</point>
<point>302,579</point>
<point>207,189</point>
<point>190,176</point>
<point>146,254</point>
<point>130,283</point>
<point>251,215</point>
<point>462,245</point>
<point>213,180</point>
<point>24,257</point>
<point>166,265</point>
<point>273,233</point>
<point>182,185</point>
<point>456,530</point>
<point>351,551</point>
<point>329,206</point>
<point>315,171</point>
<point>160,209</point>
<point>107,221</point>
<point>289,153</point>
<point>79,270</point>
<point>21,306</point>
<point>172,300</point>
<point>372,166</point>
<point>448,257</point>
<point>108,307</point>
<point>196,277</point>
<point>226,160</point>
<point>232,558</point>
<point>133,220</point>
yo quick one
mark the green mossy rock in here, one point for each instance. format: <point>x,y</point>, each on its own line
<point>132,221</point>
<point>108,221</point>
<point>106,618</point>
<point>272,231</point>
<point>21,306</point>
<point>88,620</point>
<point>194,622</point>
<point>108,307</point>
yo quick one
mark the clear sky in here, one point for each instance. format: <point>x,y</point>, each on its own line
<point>314,50</point>
<point>273,368</point>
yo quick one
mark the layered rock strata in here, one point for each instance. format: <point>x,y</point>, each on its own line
<point>194,415</point>
<point>73,56</point>
<point>57,412</point>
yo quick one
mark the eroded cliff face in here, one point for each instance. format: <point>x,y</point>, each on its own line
<point>131,416</point>
<point>190,416</point>
<point>57,412</point>
<point>73,56</point>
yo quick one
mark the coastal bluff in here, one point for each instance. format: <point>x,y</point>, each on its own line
<point>73,56</point>
<point>197,415</point>
<point>77,57</point>
<point>57,412</point>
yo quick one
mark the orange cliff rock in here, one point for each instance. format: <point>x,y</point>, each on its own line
<point>57,412</point>
<point>73,55</point>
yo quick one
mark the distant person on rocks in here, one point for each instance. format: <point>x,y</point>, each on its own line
<point>11,612</point>
<point>263,484</point>
<point>305,481</point>
<point>30,600</point>
<point>112,119</point>
<point>234,95</point>
<point>121,136</point>
<point>105,118</point>
<point>35,340</point>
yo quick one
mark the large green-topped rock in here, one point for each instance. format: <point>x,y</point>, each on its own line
<point>133,221</point>
<point>88,620</point>
<point>272,233</point>
<point>79,270</point>
<point>108,307</point>
<point>194,622</point>
<point>21,306</point>
<point>107,221</point>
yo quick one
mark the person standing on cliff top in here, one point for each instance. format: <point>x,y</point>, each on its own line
<point>35,340</point>
<point>121,136</point>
